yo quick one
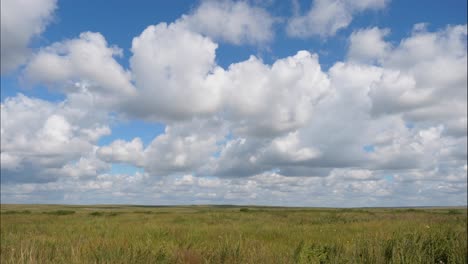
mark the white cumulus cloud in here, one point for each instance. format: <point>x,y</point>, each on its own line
<point>85,59</point>
<point>326,17</point>
<point>235,22</point>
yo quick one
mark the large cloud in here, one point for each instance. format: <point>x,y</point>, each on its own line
<point>352,126</point>
<point>426,78</point>
<point>179,79</point>
<point>174,70</point>
<point>87,59</point>
<point>21,20</point>
<point>268,100</point>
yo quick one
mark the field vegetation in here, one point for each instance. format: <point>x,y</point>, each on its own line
<point>231,234</point>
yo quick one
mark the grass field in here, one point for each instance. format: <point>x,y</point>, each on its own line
<point>229,234</point>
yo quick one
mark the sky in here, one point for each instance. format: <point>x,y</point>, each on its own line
<point>323,103</point>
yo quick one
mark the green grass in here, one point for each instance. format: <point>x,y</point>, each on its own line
<point>230,234</point>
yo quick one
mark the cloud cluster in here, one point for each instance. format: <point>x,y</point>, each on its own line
<point>348,188</point>
<point>320,121</point>
<point>388,122</point>
<point>43,141</point>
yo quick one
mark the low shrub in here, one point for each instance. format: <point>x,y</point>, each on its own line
<point>61,212</point>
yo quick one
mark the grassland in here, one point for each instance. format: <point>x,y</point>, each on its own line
<point>228,234</point>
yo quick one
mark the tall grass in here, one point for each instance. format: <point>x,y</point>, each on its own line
<point>231,235</point>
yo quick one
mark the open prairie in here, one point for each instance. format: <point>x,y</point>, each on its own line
<point>231,234</point>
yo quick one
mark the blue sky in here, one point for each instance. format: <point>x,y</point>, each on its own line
<point>235,102</point>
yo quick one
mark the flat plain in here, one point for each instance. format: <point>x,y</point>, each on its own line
<point>231,234</point>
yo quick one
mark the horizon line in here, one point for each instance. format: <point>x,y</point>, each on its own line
<point>241,205</point>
